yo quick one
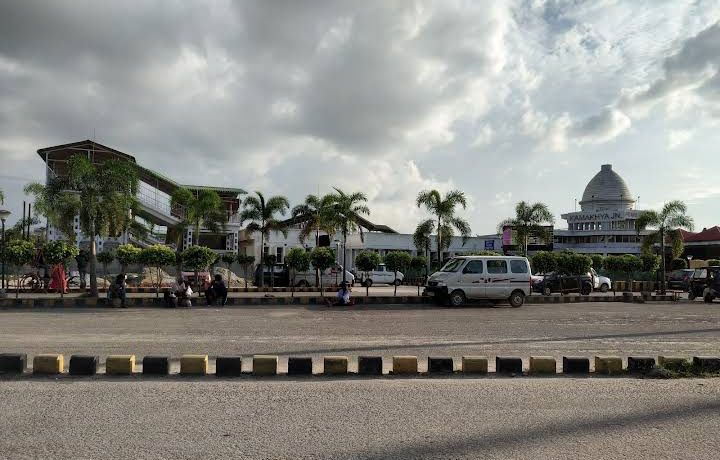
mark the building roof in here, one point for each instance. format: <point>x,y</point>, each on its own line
<point>707,234</point>
<point>607,185</point>
<point>364,223</point>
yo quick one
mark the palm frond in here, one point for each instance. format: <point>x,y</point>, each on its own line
<point>647,219</point>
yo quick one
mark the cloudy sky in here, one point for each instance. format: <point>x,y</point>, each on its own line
<point>512,101</point>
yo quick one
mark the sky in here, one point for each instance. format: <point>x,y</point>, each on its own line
<point>505,101</point>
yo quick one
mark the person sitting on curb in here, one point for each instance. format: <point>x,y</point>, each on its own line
<point>217,292</point>
<point>179,294</point>
<point>118,289</point>
<point>342,298</point>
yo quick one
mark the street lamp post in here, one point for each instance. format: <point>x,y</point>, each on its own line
<point>4,214</point>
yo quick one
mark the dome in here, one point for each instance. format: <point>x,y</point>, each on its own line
<point>607,189</point>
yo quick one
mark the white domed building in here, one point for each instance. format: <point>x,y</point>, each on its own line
<point>605,223</point>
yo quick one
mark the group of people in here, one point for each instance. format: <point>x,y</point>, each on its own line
<point>179,294</point>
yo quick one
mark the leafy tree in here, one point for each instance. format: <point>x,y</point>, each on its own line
<point>650,262</point>
<point>345,213</point>
<point>713,263</point>
<point>198,258</point>
<point>312,215</point>
<point>614,264</point>
<point>262,216</point>
<point>530,220</point>
<point>59,252</point>
<point>105,197</point>
<point>571,263</point>
<point>366,261</point>
<point>627,264</point>
<point>157,256</point>
<point>297,260</point>
<point>57,203</point>
<point>678,264</point>
<point>444,221</point>
<point>228,259</point>
<point>322,258</point>
<point>269,261</point>
<point>105,258</point>
<point>127,254</point>
<point>544,262</point>
<point>18,253</point>
<point>397,261</point>
<point>597,261</point>
<point>421,238</point>
<point>667,224</point>
<point>202,208</point>
<point>246,262</point>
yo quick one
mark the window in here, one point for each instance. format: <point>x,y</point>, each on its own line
<point>518,266</point>
<point>279,255</point>
<point>497,266</point>
<point>453,265</point>
<point>474,266</point>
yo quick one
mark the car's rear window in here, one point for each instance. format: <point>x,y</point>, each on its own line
<point>518,266</point>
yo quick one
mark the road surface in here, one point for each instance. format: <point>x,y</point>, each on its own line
<point>558,418</point>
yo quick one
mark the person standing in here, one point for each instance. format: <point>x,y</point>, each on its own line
<point>82,260</point>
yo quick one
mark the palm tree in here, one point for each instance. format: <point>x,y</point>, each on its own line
<point>529,220</point>
<point>443,211</point>
<point>667,222</point>
<point>203,208</point>
<point>262,215</point>
<point>312,217</point>
<point>103,196</point>
<point>2,197</point>
<point>344,213</point>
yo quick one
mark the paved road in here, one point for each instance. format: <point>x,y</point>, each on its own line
<point>361,419</point>
<point>585,329</point>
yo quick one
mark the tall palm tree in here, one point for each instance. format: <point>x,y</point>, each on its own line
<point>312,217</point>
<point>203,208</point>
<point>344,212</point>
<point>667,224</point>
<point>529,220</point>
<point>443,210</point>
<point>103,197</point>
<point>262,214</point>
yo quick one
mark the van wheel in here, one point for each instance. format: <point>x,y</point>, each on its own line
<point>367,283</point>
<point>708,298</point>
<point>691,295</point>
<point>604,287</point>
<point>457,298</point>
<point>303,284</point>
<point>517,299</point>
<point>547,291</point>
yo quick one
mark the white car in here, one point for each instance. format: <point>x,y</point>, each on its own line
<point>331,276</point>
<point>381,275</point>
<point>600,283</point>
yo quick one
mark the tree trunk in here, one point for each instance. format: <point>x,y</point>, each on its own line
<point>317,243</point>
<point>262,259</point>
<point>292,291</point>
<point>93,265</point>
<point>439,244</point>
<point>395,285</point>
<point>17,284</point>
<point>662,255</point>
<point>344,267</point>
<point>367,287</point>
<point>157,284</point>
<point>525,246</point>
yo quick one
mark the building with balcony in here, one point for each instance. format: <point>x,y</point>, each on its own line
<point>154,203</point>
<point>605,223</point>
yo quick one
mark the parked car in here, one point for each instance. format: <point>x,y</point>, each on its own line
<point>553,282</point>
<point>381,275</point>
<point>278,272</point>
<point>331,276</point>
<point>680,279</point>
<point>699,281</point>
<point>481,277</point>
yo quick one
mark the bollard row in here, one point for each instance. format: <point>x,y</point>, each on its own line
<point>267,365</point>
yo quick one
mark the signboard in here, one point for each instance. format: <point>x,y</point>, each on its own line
<point>490,245</point>
<point>601,216</point>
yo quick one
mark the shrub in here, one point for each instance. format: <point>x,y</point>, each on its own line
<point>297,260</point>
<point>597,261</point>
<point>713,263</point>
<point>678,264</point>
<point>543,262</point>
<point>322,258</point>
<point>127,254</point>
<point>397,261</point>
<point>571,263</point>
<point>18,253</point>
<point>157,256</point>
<point>650,262</point>
<point>366,261</point>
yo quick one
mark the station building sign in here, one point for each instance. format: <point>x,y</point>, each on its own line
<point>601,216</point>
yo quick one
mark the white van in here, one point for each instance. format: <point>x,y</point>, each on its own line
<point>330,277</point>
<point>482,277</point>
<point>381,275</point>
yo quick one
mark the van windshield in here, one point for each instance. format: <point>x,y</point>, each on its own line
<point>453,265</point>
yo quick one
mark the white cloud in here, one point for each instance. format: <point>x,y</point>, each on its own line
<point>677,137</point>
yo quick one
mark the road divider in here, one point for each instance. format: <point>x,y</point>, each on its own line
<point>267,365</point>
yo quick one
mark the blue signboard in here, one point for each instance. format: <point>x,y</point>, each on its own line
<point>490,244</point>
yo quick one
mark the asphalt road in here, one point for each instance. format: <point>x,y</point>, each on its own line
<point>361,419</point>
<point>583,329</point>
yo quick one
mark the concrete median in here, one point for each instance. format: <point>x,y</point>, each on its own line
<point>264,365</point>
<point>13,363</point>
<point>640,365</point>
<point>300,366</point>
<point>542,365</point>
<point>508,365</point>
<point>194,365</point>
<point>673,363</point>
<point>83,365</point>
<point>156,365</point>
<point>335,365</point>
<point>474,365</point>
<point>370,365</point>
<point>48,364</point>
<point>608,365</point>
<point>120,365</point>
<point>404,365</point>
<point>575,365</point>
<point>228,366</point>
<point>442,365</point>
<point>706,363</point>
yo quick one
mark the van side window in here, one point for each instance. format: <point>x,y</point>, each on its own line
<point>474,266</point>
<point>497,266</point>
<point>518,266</point>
